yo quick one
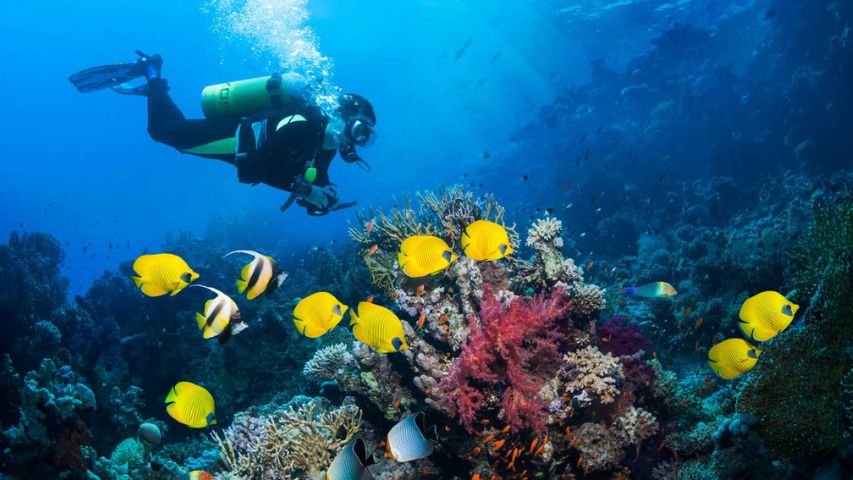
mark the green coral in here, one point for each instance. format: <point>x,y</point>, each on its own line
<point>130,452</point>
<point>796,389</point>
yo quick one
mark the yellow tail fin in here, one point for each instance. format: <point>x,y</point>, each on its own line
<point>241,286</point>
<point>200,319</point>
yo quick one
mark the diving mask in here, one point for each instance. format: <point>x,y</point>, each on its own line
<point>361,133</point>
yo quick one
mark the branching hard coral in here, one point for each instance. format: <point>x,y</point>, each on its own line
<point>587,300</point>
<point>589,375</point>
<point>443,214</point>
<point>599,447</point>
<point>634,425</point>
<point>549,269</point>
<point>515,347</point>
<point>330,363</point>
<point>291,443</point>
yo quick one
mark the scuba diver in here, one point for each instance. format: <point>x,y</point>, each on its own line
<point>267,127</point>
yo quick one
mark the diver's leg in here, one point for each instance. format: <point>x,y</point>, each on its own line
<point>168,125</point>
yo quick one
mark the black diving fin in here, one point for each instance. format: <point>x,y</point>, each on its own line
<point>113,75</point>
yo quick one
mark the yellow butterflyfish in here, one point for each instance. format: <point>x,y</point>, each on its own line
<point>731,357</point>
<point>764,315</point>
<point>378,328</point>
<point>483,241</point>
<point>191,405</point>
<point>162,273</point>
<point>318,313</point>
<point>423,255</point>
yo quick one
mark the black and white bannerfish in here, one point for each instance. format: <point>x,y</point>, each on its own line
<point>351,463</point>
<point>221,317</point>
<point>260,276</point>
<point>407,440</point>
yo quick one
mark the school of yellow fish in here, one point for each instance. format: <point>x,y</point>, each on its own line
<point>762,317</point>
<point>314,316</point>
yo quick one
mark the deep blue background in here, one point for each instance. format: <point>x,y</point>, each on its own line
<point>83,168</point>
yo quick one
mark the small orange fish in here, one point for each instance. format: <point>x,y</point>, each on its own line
<point>369,299</point>
<point>505,429</point>
<point>394,294</point>
<point>687,311</point>
<point>442,319</point>
<point>580,460</point>
<point>476,450</point>
<point>484,421</point>
<point>655,355</point>
<point>373,249</point>
<point>489,438</point>
<point>533,445</point>
<point>545,440</point>
<point>589,266</point>
<point>421,321</point>
<point>419,291</point>
<point>444,327</point>
<point>368,227</point>
<point>476,476</point>
<point>682,404</point>
<point>697,324</point>
<point>397,403</point>
<point>714,338</point>
<point>607,338</point>
<point>498,444</point>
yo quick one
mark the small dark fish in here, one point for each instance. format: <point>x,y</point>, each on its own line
<point>495,57</point>
<point>464,174</point>
<point>549,210</point>
<point>594,198</point>
<point>21,224</point>
<point>481,185</point>
<point>486,154</point>
<point>598,131</point>
<point>586,154</point>
<point>583,138</point>
<point>462,49</point>
<point>578,161</point>
<point>85,247</point>
<point>67,242</point>
<point>662,177</point>
<point>770,14</point>
<point>525,177</point>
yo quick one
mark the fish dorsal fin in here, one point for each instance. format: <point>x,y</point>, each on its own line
<point>360,451</point>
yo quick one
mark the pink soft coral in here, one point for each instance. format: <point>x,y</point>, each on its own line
<point>510,354</point>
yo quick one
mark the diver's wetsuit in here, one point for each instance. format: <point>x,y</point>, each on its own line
<point>291,138</point>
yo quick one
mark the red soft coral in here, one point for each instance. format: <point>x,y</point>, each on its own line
<point>510,354</point>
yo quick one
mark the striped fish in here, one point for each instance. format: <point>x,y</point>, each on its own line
<point>221,317</point>
<point>378,327</point>
<point>351,463</point>
<point>260,276</point>
<point>407,441</point>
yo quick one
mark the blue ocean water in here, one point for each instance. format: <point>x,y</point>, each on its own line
<point>82,167</point>
<point>703,143</point>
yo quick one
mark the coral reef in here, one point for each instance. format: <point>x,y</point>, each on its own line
<point>295,442</point>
